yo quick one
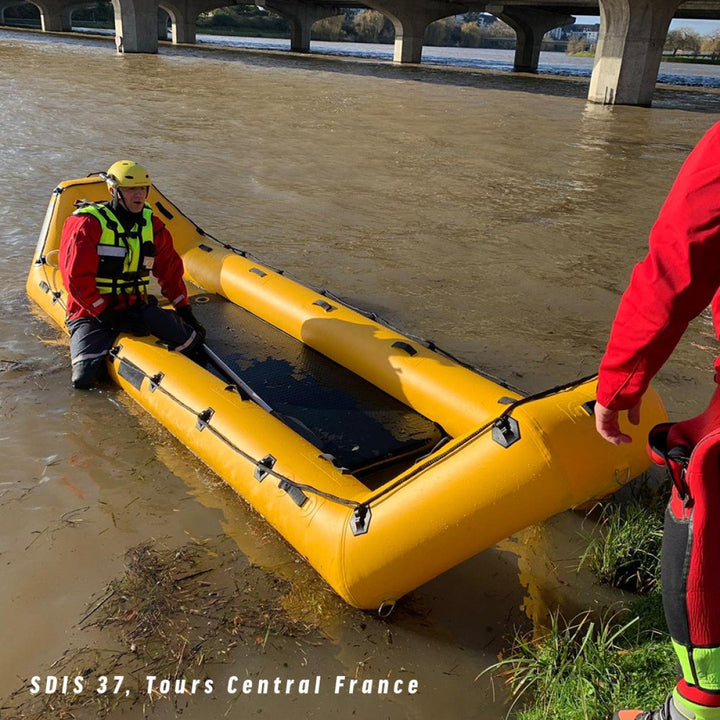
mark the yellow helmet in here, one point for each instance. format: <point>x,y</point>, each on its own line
<point>126,173</point>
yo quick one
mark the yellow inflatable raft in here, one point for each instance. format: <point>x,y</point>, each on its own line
<point>459,462</point>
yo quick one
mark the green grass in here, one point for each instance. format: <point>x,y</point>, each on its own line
<point>586,668</point>
<point>624,552</point>
<point>589,666</point>
<point>693,59</point>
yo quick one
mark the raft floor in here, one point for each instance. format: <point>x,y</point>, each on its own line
<point>362,427</point>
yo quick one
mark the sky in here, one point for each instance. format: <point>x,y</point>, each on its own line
<point>703,27</point>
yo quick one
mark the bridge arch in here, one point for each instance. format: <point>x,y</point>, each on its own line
<point>182,26</point>
<point>48,19</point>
<point>7,5</point>
<point>54,15</point>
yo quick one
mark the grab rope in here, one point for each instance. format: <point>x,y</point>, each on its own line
<point>207,425</point>
<point>370,315</point>
<point>360,508</point>
<point>416,470</point>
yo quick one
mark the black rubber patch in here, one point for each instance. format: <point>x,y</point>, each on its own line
<point>131,372</point>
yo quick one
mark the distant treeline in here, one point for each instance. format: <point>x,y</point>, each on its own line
<point>686,43</point>
<point>682,44</point>
<point>469,30</point>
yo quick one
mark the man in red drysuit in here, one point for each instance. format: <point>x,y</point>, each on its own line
<point>676,281</point>
<point>107,252</point>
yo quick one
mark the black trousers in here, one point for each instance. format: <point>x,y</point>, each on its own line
<point>91,340</point>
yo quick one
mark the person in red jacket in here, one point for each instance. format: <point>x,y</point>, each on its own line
<point>107,252</point>
<point>677,280</point>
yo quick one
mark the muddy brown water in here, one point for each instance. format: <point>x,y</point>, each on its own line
<point>498,215</point>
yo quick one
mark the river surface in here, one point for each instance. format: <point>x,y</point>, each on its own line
<point>499,215</point>
<point>551,63</point>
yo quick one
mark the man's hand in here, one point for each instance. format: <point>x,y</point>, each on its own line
<point>108,318</point>
<point>186,313</point>
<point>607,423</point>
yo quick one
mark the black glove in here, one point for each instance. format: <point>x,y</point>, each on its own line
<point>108,318</point>
<point>186,314</point>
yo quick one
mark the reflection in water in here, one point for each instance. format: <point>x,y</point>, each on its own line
<point>498,215</point>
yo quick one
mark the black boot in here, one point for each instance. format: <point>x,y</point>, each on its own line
<point>85,373</point>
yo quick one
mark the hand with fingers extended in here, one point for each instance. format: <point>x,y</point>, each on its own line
<point>607,423</point>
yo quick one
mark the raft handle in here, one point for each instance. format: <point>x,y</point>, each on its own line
<point>155,381</point>
<point>45,259</point>
<point>506,431</point>
<point>295,493</point>
<point>360,521</point>
<point>164,210</point>
<point>326,306</point>
<point>407,347</point>
<point>589,407</point>
<point>386,609</point>
<point>264,466</point>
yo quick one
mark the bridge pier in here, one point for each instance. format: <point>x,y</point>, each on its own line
<point>301,16</point>
<point>183,26</point>
<point>411,19</point>
<point>136,25</point>
<point>530,25</point>
<point>629,51</point>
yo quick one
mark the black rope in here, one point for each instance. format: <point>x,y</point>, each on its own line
<point>246,456</point>
<point>57,294</point>
<point>416,470</point>
<point>429,344</point>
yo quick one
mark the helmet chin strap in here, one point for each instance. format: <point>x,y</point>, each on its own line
<point>118,204</point>
<point>119,199</point>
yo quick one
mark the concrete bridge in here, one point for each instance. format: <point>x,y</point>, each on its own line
<point>629,51</point>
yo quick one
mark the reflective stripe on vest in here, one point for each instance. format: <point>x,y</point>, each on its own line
<point>125,258</point>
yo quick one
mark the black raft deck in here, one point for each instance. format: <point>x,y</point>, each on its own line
<point>361,427</point>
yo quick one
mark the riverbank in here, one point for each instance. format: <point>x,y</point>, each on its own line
<point>623,651</point>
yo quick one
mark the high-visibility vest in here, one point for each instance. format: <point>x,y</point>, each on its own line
<point>125,256</point>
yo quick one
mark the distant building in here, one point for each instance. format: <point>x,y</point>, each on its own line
<point>486,19</point>
<point>587,33</point>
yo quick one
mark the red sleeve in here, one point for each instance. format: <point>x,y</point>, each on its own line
<point>78,262</point>
<point>672,285</point>
<point>168,266</point>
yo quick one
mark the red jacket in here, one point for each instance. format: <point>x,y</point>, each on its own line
<point>677,280</point>
<point>78,262</point>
